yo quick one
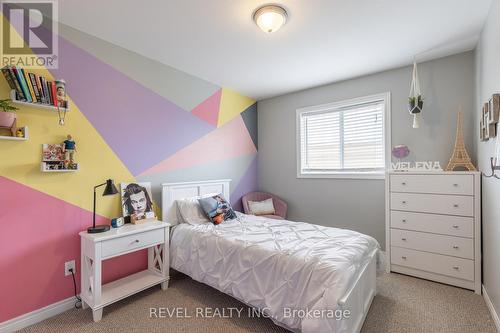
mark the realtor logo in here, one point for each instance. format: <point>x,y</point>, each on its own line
<point>29,33</point>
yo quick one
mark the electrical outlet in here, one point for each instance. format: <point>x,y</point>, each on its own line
<point>69,265</point>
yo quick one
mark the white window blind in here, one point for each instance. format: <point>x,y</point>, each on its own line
<point>343,139</point>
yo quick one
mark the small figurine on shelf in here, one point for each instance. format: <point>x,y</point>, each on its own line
<point>69,148</point>
<point>62,102</point>
<point>20,133</point>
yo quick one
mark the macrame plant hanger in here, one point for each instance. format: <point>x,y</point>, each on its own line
<point>415,100</point>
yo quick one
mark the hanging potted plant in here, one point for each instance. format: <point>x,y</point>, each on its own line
<point>415,104</point>
<point>415,99</point>
<point>8,117</point>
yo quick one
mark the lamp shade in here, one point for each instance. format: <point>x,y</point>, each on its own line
<point>270,18</point>
<point>110,188</point>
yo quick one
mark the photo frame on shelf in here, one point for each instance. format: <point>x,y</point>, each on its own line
<point>482,129</point>
<point>494,109</point>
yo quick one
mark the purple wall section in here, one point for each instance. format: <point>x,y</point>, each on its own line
<point>141,127</point>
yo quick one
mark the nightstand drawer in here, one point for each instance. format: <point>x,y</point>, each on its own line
<point>439,224</point>
<point>125,244</point>
<point>433,203</point>
<point>435,263</point>
<point>440,244</point>
<point>433,184</point>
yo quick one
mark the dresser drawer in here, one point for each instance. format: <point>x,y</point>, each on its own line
<point>440,244</point>
<point>433,203</point>
<point>434,184</point>
<point>129,243</point>
<point>434,263</point>
<point>439,224</point>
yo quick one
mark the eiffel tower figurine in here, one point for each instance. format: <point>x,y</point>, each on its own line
<point>460,157</point>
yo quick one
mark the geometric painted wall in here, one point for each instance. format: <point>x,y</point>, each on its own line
<point>133,119</point>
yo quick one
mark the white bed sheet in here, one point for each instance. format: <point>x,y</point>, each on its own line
<point>275,265</point>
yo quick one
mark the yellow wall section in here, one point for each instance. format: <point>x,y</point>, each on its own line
<point>20,160</point>
<point>231,105</point>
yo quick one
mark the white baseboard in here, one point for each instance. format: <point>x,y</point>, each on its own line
<point>36,316</point>
<point>493,312</point>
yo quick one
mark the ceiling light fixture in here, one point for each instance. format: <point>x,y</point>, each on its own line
<point>270,18</point>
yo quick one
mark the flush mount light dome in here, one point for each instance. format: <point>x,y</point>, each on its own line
<point>270,18</point>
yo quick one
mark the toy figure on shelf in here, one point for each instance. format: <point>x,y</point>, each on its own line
<point>61,100</point>
<point>69,148</point>
<point>20,133</point>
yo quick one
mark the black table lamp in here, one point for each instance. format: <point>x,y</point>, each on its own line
<point>110,189</point>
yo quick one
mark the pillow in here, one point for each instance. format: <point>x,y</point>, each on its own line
<point>217,208</point>
<point>265,207</point>
<point>191,212</point>
<point>173,214</point>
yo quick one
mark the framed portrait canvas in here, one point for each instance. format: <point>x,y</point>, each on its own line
<point>136,199</point>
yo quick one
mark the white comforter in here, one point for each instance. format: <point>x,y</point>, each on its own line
<point>274,265</point>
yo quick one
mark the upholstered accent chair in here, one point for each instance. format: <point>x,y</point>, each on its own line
<point>280,206</point>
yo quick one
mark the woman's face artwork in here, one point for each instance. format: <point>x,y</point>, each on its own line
<point>139,202</point>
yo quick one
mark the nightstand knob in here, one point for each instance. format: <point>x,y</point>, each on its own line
<point>404,257</point>
<point>403,239</point>
<point>403,202</point>
<point>456,185</point>
<point>455,205</point>
<point>455,226</point>
<point>136,241</point>
<point>403,183</point>
<point>455,246</point>
<point>404,221</point>
<point>456,268</point>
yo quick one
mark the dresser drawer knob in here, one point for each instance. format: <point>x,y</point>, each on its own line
<point>403,202</point>
<point>403,183</point>
<point>456,268</point>
<point>403,239</point>
<point>136,241</point>
<point>455,205</point>
<point>455,226</point>
<point>456,185</point>
<point>404,221</point>
<point>403,257</point>
<point>455,247</point>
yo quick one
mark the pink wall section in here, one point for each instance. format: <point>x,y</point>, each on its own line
<point>38,234</point>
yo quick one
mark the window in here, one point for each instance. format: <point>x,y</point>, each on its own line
<point>345,140</point>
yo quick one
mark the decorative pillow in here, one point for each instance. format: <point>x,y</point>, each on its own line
<point>217,208</point>
<point>191,212</point>
<point>265,207</point>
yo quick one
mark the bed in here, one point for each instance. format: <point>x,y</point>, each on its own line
<point>305,277</point>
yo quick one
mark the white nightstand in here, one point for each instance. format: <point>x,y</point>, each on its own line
<point>98,247</point>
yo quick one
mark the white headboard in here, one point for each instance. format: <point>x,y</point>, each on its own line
<point>177,191</point>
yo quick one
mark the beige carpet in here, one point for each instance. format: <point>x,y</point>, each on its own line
<point>403,304</point>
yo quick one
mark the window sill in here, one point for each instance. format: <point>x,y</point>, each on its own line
<point>344,175</point>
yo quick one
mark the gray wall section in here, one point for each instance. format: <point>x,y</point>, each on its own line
<point>446,83</point>
<point>183,89</point>
<point>487,83</point>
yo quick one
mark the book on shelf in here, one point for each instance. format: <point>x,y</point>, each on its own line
<point>30,87</point>
<point>54,93</point>
<point>43,83</point>
<point>22,82</point>
<point>35,87</point>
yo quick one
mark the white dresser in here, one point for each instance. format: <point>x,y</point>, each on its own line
<point>433,226</point>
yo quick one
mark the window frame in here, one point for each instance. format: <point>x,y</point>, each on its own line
<point>384,97</point>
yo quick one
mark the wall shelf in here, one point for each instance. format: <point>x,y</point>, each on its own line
<point>43,169</point>
<point>15,138</point>
<point>48,107</point>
